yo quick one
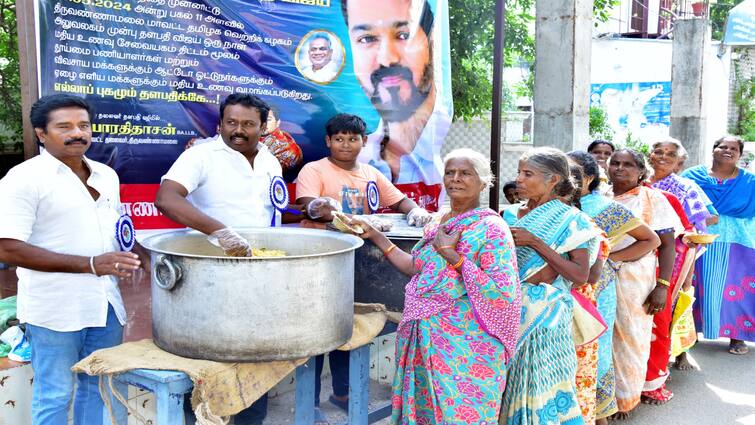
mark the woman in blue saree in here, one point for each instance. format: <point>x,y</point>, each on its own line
<point>725,285</point>
<point>556,243</point>
<point>618,222</point>
<point>461,307</point>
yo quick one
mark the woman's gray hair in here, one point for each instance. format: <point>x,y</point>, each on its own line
<point>680,151</point>
<point>480,163</point>
<point>552,162</point>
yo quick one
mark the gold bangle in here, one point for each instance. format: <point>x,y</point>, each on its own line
<point>458,263</point>
<point>663,282</point>
<point>448,246</point>
<point>389,249</point>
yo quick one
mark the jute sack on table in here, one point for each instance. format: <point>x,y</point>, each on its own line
<point>220,389</point>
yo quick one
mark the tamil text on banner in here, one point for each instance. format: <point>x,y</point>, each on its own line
<point>156,71</point>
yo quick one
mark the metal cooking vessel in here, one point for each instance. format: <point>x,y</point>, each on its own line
<point>375,279</point>
<point>209,306</point>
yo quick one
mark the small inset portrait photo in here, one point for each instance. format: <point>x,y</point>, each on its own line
<point>320,56</point>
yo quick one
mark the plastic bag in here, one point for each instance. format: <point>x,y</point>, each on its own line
<point>20,348</point>
<point>7,312</point>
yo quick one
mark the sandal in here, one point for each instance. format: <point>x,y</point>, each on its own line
<point>738,348</point>
<point>658,396</point>
<point>341,404</point>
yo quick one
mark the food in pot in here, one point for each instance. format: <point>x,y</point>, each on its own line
<point>266,252</point>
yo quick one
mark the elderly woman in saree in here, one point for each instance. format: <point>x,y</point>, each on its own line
<point>556,243</point>
<point>640,292</point>
<point>694,210</point>
<point>462,306</point>
<point>618,223</point>
<point>664,158</point>
<point>725,287</point>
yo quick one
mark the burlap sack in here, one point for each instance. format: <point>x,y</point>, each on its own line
<point>220,389</point>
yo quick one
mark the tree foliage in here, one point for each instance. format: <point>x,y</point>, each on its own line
<point>472,30</point>
<point>719,11</point>
<point>11,133</point>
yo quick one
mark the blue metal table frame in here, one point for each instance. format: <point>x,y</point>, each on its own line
<point>169,388</point>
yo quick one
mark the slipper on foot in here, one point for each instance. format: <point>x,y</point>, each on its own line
<point>341,404</point>
<point>738,348</point>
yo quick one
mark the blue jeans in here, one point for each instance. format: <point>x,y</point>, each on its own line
<point>53,354</point>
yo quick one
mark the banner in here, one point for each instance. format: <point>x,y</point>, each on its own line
<point>156,71</point>
<point>642,109</point>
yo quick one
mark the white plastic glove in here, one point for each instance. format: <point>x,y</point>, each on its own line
<point>233,244</point>
<point>418,217</point>
<point>378,224</point>
<point>321,207</point>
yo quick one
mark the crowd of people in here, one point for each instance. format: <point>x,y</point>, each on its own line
<point>565,307</point>
<point>605,241</point>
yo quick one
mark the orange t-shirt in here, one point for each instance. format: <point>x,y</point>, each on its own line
<point>323,178</point>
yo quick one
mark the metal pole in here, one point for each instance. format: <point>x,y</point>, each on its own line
<point>495,128</point>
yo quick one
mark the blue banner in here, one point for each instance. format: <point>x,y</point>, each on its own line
<point>156,70</point>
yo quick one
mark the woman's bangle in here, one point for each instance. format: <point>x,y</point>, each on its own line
<point>91,266</point>
<point>663,282</point>
<point>458,263</point>
<point>389,249</point>
<point>451,247</point>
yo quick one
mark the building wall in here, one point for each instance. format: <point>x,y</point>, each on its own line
<point>476,135</point>
<point>624,60</point>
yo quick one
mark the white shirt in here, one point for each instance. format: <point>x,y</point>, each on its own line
<point>43,203</point>
<point>424,163</point>
<point>222,184</point>
<point>322,75</point>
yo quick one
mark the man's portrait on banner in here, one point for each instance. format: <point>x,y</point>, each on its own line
<point>320,56</point>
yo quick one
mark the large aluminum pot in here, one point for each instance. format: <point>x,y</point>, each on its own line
<point>209,306</point>
<point>376,280</point>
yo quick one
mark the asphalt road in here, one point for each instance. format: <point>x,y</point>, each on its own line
<point>720,391</point>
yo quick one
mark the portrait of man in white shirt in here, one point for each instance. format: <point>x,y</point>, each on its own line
<point>394,49</point>
<point>323,60</point>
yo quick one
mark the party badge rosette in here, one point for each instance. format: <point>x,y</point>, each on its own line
<point>373,197</point>
<point>278,196</point>
<point>124,232</point>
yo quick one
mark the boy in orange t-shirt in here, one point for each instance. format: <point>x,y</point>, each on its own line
<point>339,183</point>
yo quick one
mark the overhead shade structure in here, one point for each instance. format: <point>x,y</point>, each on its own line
<point>740,25</point>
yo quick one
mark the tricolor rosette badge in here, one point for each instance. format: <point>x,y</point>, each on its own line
<point>124,232</point>
<point>373,197</point>
<point>278,196</point>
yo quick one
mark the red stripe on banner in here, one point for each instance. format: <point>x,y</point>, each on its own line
<point>138,201</point>
<point>426,196</point>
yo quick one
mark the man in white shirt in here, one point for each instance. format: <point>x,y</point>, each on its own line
<point>225,183</point>
<point>322,68</point>
<point>59,213</point>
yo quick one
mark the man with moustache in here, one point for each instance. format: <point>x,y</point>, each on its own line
<point>392,47</point>
<point>60,211</point>
<point>322,68</point>
<point>224,183</point>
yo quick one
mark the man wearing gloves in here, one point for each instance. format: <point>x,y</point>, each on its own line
<point>225,184</point>
<point>340,183</point>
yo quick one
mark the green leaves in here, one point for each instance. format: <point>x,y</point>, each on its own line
<point>472,33</point>
<point>11,133</point>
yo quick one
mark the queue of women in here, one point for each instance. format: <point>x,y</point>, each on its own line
<point>567,307</point>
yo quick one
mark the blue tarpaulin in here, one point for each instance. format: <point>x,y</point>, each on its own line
<point>740,25</point>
